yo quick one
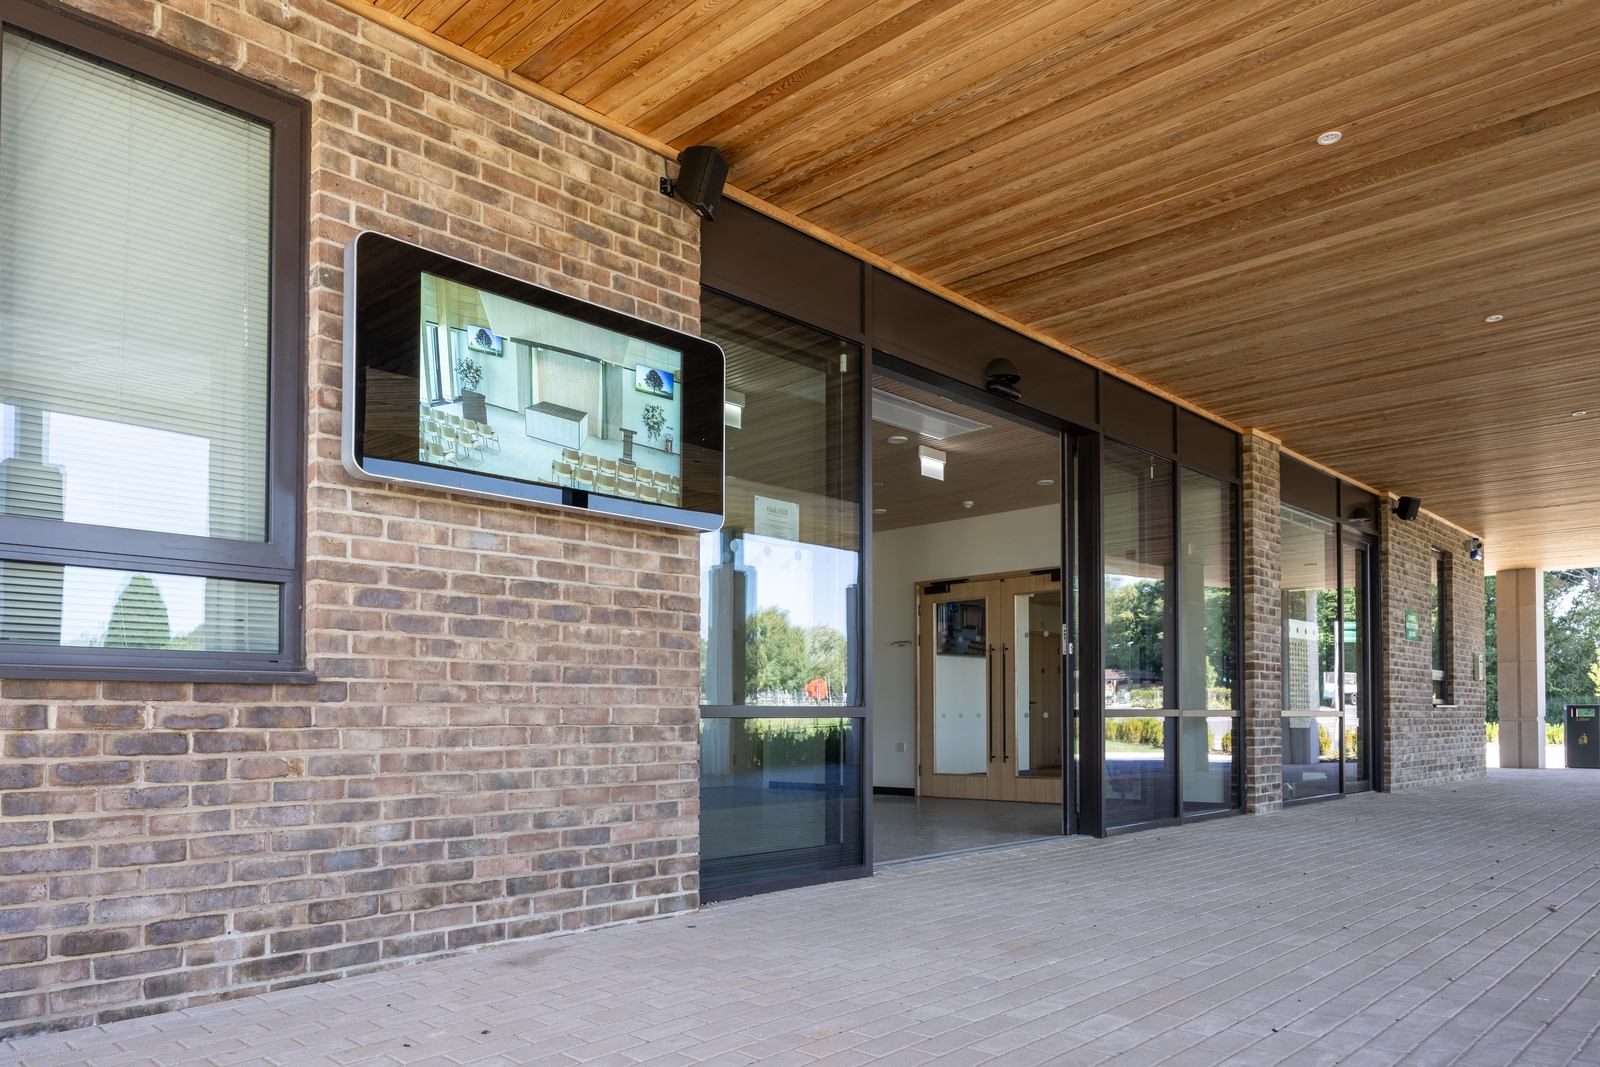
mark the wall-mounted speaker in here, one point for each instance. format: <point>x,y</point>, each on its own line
<point>1408,507</point>
<point>702,171</point>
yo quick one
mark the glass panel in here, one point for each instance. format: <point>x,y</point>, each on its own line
<point>1208,778</point>
<point>1138,539</point>
<point>1310,756</point>
<point>51,604</point>
<point>780,579</point>
<point>778,798</point>
<point>1205,615</point>
<point>1310,611</point>
<point>1440,640</point>
<point>1140,782</point>
<point>1037,674</point>
<point>134,301</point>
<point>1354,639</point>
<point>961,687</point>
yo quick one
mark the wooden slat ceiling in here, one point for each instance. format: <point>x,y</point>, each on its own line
<point>1140,179</point>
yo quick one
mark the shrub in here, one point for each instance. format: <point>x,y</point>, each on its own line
<point>1492,732</point>
<point>1227,741</point>
<point>1137,731</point>
<point>1555,734</point>
<point>1145,698</point>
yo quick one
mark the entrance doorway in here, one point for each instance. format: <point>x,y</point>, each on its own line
<point>989,698</point>
<point>968,608</point>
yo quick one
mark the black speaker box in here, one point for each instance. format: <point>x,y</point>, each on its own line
<point>702,170</point>
<point>1408,507</point>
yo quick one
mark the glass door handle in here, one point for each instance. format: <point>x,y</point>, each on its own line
<point>988,702</point>
<point>1005,746</point>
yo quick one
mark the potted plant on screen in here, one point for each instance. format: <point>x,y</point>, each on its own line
<point>654,419</point>
<point>473,403</point>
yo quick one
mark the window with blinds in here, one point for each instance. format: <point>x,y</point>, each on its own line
<point>144,514</point>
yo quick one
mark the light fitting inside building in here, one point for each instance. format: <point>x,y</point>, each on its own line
<point>1045,481</point>
<point>733,409</point>
<point>932,462</point>
<point>1576,414</point>
<point>1494,318</point>
<point>966,503</point>
<point>880,511</point>
<point>1331,137</point>
<point>899,439</point>
<point>928,421</point>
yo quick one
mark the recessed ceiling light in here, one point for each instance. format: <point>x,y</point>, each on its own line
<point>1575,414</point>
<point>880,511</point>
<point>898,439</point>
<point>1494,318</point>
<point>1045,481</point>
<point>966,503</point>
<point>1331,137</point>
<point>877,485</point>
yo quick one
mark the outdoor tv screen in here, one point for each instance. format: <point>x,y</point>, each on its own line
<point>462,379</point>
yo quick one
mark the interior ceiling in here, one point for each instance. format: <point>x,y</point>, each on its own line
<point>995,469</point>
<point>1140,179</point>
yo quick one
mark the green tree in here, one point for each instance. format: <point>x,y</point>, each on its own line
<point>1136,626</point>
<point>784,658</point>
<point>1571,638</point>
<point>139,617</point>
<point>1491,674</point>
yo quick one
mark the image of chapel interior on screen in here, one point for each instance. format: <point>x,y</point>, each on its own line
<point>514,390</point>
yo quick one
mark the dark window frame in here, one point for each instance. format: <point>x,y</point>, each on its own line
<point>1439,638</point>
<point>279,559</point>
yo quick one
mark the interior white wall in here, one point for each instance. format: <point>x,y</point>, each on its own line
<point>1009,541</point>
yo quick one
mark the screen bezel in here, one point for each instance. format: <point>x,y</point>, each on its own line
<point>380,271</point>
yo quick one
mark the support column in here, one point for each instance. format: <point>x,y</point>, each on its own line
<point>1263,625</point>
<point>1519,655</point>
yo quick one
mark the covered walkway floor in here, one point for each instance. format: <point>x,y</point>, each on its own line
<point>1454,925</point>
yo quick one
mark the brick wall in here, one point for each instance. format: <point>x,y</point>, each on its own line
<point>1424,744</point>
<point>1263,625</point>
<point>503,742</point>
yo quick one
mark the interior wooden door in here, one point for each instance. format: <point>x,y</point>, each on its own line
<point>957,659</point>
<point>1029,681</point>
<point>989,697</point>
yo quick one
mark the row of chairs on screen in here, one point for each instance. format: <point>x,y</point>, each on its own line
<point>447,436</point>
<point>622,470</point>
<point>612,485</point>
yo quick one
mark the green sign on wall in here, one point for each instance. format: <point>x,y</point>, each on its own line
<point>1411,626</point>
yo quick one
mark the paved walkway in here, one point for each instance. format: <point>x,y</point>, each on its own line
<point>1457,925</point>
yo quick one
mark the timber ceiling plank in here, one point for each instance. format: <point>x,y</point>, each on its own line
<point>521,21</point>
<point>684,20</point>
<point>615,40</point>
<point>535,53</point>
<point>959,189</point>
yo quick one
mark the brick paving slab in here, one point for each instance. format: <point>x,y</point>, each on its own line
<point>1450,926</point>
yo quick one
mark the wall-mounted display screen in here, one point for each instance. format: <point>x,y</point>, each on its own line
<point>465,379</point>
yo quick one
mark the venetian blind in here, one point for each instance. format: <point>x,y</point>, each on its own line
<point>134,241</point>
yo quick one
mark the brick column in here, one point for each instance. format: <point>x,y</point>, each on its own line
<point>1263,625</point>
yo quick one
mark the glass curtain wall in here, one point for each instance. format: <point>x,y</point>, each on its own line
<point>781,791</point>
<point>1170,639</point>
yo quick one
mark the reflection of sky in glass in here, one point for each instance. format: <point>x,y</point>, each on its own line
<point>807,581</point>
<point>131,476</point>
<point>88,596</point>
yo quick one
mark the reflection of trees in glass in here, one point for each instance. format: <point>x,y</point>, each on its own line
<point>1135,629</point>
<point>1219,647</point>
<point>781,658</point>
<point>139,617</point>
<point>654,380</point>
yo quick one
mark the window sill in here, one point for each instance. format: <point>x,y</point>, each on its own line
<point>248,676</point>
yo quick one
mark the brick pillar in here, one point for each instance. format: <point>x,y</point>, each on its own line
<point>1263,625</point>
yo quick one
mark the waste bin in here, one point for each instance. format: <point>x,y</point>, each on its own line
<point>1583,735</point>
